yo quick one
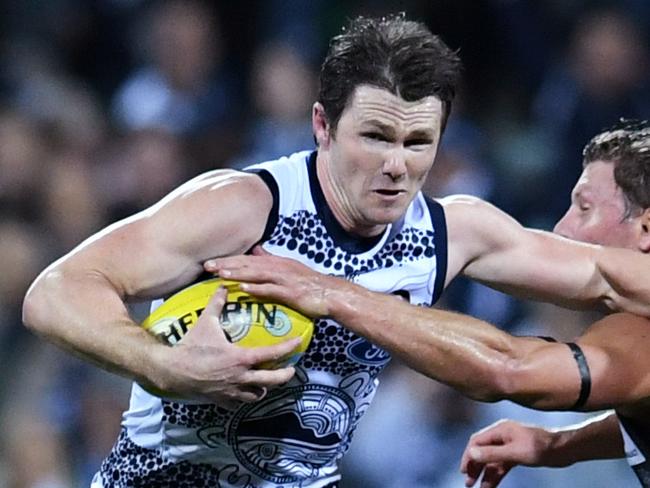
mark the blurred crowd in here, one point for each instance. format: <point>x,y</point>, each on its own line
<point>106,105</point>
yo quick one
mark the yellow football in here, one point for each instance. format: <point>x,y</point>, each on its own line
<point>247,321</point>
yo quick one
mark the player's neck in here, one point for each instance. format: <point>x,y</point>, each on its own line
<point>339,204</point>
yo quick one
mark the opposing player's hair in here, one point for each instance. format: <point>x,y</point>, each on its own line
<point>393,53</point>
<point>627,146</point>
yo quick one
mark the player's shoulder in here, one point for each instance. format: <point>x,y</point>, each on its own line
<point>466,205</point>
<point>293,162</point>
<point>216,213</point>
<point>216,185</point>
<point>222,178</point>
<point>467,213</point>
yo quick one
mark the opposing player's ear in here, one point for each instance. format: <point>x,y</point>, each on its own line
<point>320,126</point>
<point>644,231</point>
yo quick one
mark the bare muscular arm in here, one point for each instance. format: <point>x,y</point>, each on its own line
<point>489,246</point>
<point>473,356</point>
<point>78,302</point>
<point>488,364</point>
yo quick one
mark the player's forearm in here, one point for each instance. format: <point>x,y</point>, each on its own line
<point>82,313</point>
<point>474,357</point>
<point>597,438</point>
<point>461,351</point>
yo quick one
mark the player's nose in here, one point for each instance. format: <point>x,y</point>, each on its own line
<point>395,165</point>
<point>564,226</point>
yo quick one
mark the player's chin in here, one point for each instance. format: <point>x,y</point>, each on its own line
<point>387,215</point>
<point>380,210</point>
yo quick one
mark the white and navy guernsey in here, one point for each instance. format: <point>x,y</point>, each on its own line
<point>636,437</point>
<point>297,433</point>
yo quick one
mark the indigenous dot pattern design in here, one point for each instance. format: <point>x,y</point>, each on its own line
<point>303,232</point>
<point>132,466</point>
<point>333,386</point>
<point>193,415</point>
<point>328,351</point>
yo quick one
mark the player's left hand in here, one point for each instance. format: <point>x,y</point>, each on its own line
<point>496,449</point>
<point>280,279</point>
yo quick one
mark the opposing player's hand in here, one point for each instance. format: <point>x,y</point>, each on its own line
<point>495,450</point>
<point>280,279</point>
<point>206,366</point>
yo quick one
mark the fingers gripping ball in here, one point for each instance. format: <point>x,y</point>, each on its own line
<point>246,320</point>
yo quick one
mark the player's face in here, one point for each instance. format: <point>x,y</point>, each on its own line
<point>379,156</point>
<point>597,211</point>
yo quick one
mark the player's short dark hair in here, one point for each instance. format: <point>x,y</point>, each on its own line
<point>627,146</point>
<point>399,55</point>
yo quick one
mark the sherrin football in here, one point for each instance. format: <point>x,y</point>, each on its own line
<point>247,321</point>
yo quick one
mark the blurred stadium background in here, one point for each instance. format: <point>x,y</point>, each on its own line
<point>105,105</point>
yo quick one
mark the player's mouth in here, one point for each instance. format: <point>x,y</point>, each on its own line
<point>389,194</point>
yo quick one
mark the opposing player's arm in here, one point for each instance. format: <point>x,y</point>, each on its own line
<point>79,301</point>
<point>492,452</point>
<point>604,368</point>
<point>488,364</point>
<point>489,246</point>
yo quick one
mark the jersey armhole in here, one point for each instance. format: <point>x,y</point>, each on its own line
<point>439,222</point>
<point>272,185</point>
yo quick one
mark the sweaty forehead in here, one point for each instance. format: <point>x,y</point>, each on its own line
<point>371,104</point>
<point>597,181</point>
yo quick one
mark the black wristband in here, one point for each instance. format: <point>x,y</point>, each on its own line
<point>585,375</point>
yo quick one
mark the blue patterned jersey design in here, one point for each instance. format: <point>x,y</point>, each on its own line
<point>295,436</point>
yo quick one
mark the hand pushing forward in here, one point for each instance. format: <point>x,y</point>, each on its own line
<point>279,279</point>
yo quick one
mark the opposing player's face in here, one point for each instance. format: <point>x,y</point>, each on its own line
<point>597,211</point>
<point>379,156</point>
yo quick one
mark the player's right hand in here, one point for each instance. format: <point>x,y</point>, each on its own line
<point>495,450</point>
<point>206,366</point>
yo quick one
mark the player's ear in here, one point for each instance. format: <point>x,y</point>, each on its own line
<point>644,231</point>
<point>320,125</point>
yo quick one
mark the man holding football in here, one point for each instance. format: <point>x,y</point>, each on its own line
<point>606,367</point>
<point>353,208</point>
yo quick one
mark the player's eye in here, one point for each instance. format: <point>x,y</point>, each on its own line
<point>418,142</point>
<point>375,136</point>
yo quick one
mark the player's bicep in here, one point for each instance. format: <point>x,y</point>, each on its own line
<point>616,350</point>
<point>163,247</point>
<point>544,375</point>
<point>481,238</point>
<point>605,368</point>
<point>489,246</point>
<point>133,259</point>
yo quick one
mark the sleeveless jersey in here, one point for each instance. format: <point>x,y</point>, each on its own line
<point>636,439</point>
<point>296,434</point>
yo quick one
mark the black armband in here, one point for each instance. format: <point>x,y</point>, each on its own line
<point>585,375</point>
